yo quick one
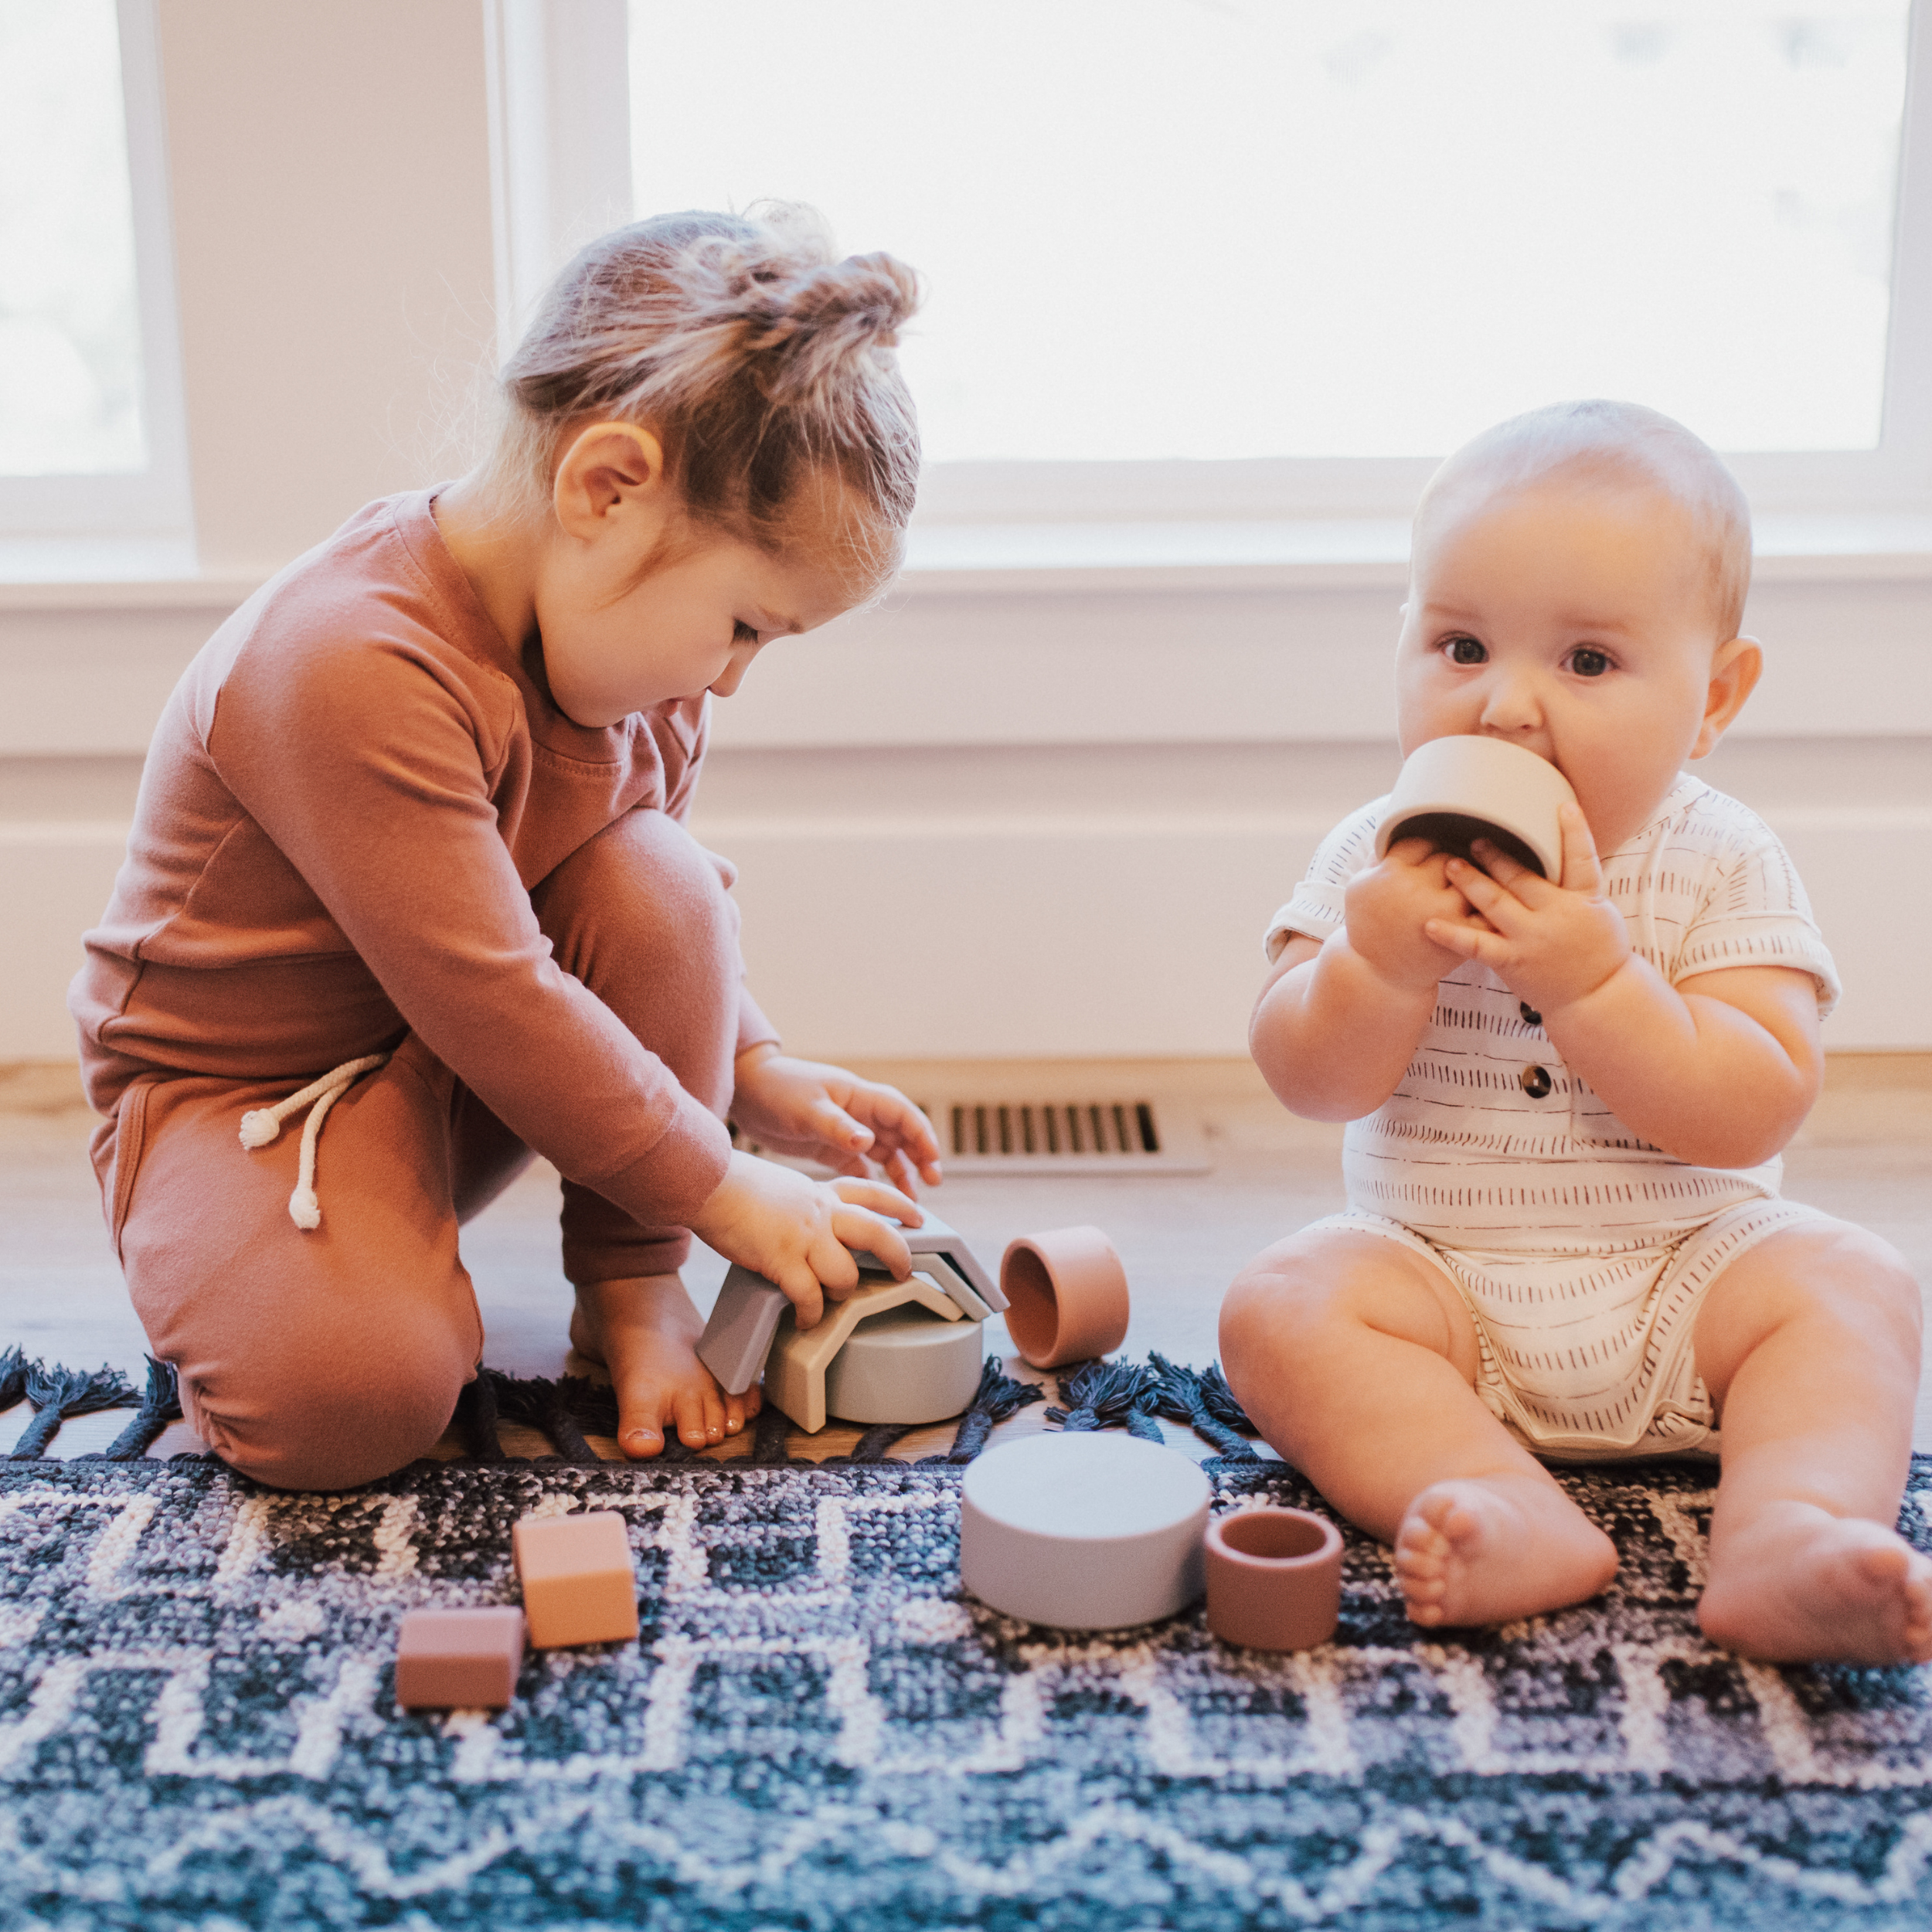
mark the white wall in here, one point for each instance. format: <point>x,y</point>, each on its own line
<point>1013,812</point>
<point>1015,823</point>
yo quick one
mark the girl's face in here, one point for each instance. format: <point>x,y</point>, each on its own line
<point>613,642</point>
<point>635,604</point>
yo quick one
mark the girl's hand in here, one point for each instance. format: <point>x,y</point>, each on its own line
<point>1551,945</point>
<point>825,1114</point>
<point>799,1234</point>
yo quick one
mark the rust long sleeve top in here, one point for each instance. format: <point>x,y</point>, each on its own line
<point>349,796</point>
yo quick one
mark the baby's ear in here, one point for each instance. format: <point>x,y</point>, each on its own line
<point>1736,668</point>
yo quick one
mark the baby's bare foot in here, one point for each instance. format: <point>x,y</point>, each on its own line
<point>1801,1586</point>
<point>645,1332</point>
<point>1487,1550</point>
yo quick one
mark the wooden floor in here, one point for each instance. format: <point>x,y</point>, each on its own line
<point>1866,1154</point>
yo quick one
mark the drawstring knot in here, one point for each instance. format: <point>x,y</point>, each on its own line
<point>262,1124</point>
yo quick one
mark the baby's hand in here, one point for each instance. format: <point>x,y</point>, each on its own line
<point>1550,944</point>
<point>825,1113</point>
<point>1394,909</point>
<point>799,1234</point>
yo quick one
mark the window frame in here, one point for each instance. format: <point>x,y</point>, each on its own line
<point>1893,479</point>
<point>152,505</point>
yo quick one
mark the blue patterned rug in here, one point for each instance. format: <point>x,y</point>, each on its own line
<point>816,1730</point>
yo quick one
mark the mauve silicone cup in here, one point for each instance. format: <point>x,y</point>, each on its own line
<point>1274,1578</point>
<point>1067,1293</point>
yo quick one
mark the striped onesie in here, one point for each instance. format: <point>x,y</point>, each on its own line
<point>1581,1250</point>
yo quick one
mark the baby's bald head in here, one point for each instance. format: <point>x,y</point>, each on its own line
<point>1620,444</point>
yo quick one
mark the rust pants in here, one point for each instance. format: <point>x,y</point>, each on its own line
<point>324,1358</point>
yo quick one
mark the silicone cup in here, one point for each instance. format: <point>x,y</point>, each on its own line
<point>1274,1578</point>
<point>1067,1293</point>
<point>1454,791</point>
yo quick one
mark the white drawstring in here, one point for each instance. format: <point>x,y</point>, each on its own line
<point>262,1124</point>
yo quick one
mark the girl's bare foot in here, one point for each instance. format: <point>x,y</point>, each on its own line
<point>1799,1585</point>
<point>1486,1549</point>
<point>644,1331</point>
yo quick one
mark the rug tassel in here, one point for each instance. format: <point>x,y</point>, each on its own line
<point>540,1403</point>
<point>57,1393</point>
<point>1180,1394</point>
<point>998,1396</point>
<point>160,1405</point>
<point>872,1445</point>
<point>13,1378</point>
<point>1107,1395</point>
<point>476,1417</point>
<point>768,1444</point>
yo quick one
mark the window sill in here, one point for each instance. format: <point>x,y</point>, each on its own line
<point>1005,559</point>
<point>953,560</point>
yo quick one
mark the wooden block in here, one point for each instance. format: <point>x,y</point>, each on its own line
<point>578,1584</point>
<point>459,1659</point>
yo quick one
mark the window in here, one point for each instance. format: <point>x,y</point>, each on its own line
<point>90,438</point>
<point>1259,258</point>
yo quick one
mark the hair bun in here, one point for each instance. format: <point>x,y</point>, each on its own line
<point>739,339</point>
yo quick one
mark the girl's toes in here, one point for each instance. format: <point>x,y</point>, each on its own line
<point>734,1414</point>
<point>638,1436</point>
<point>691,1420</point>
<point>714,1416</point>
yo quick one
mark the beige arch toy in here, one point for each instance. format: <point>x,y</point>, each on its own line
<point>795,1369</point>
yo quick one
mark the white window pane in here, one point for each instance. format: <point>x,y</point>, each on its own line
<point>69,324</point>
<point>1288,228</point>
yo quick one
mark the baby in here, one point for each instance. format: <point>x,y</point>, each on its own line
<point>1564,1237</point>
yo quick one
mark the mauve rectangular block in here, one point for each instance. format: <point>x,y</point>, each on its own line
<point>578,1584</point>
<point>459,1659</point>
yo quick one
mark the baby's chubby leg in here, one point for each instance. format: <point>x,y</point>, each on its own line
<point>1358,1360</point>
<point>1809,1344</point>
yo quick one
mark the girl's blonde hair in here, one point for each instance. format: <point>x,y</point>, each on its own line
<point>755,357</point>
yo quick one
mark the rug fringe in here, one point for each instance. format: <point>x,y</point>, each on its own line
<point>1109,1395</point>
<point>1093,1395</point>
<point>160,1405</point>
<point>1207,1407</point>
<point>998,1396</point>
<point>57,1393</point>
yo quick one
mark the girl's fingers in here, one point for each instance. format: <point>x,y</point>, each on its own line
<point>880,1199</point>
<point>901,1173</point>
<point>878,1237</point>
<point>801,1287</point>
<point>837,1129</point>
<point>1582,872</point>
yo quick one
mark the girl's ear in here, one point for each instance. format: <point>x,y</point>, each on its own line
<point>612,470</point>
<point>1734,670</point>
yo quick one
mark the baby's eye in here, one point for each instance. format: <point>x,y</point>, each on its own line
<point>1466,650</point>
<point>742,633</point>
<point>1586,661</point>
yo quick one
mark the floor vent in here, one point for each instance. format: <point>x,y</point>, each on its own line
<point>1064,1137</point>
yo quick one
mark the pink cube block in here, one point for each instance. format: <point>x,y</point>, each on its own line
<point>459,1659</point>
<point>578,1584</point>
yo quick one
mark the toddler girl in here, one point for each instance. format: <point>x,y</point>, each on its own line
<point>1567,1098</point>
<point>409,857</point>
